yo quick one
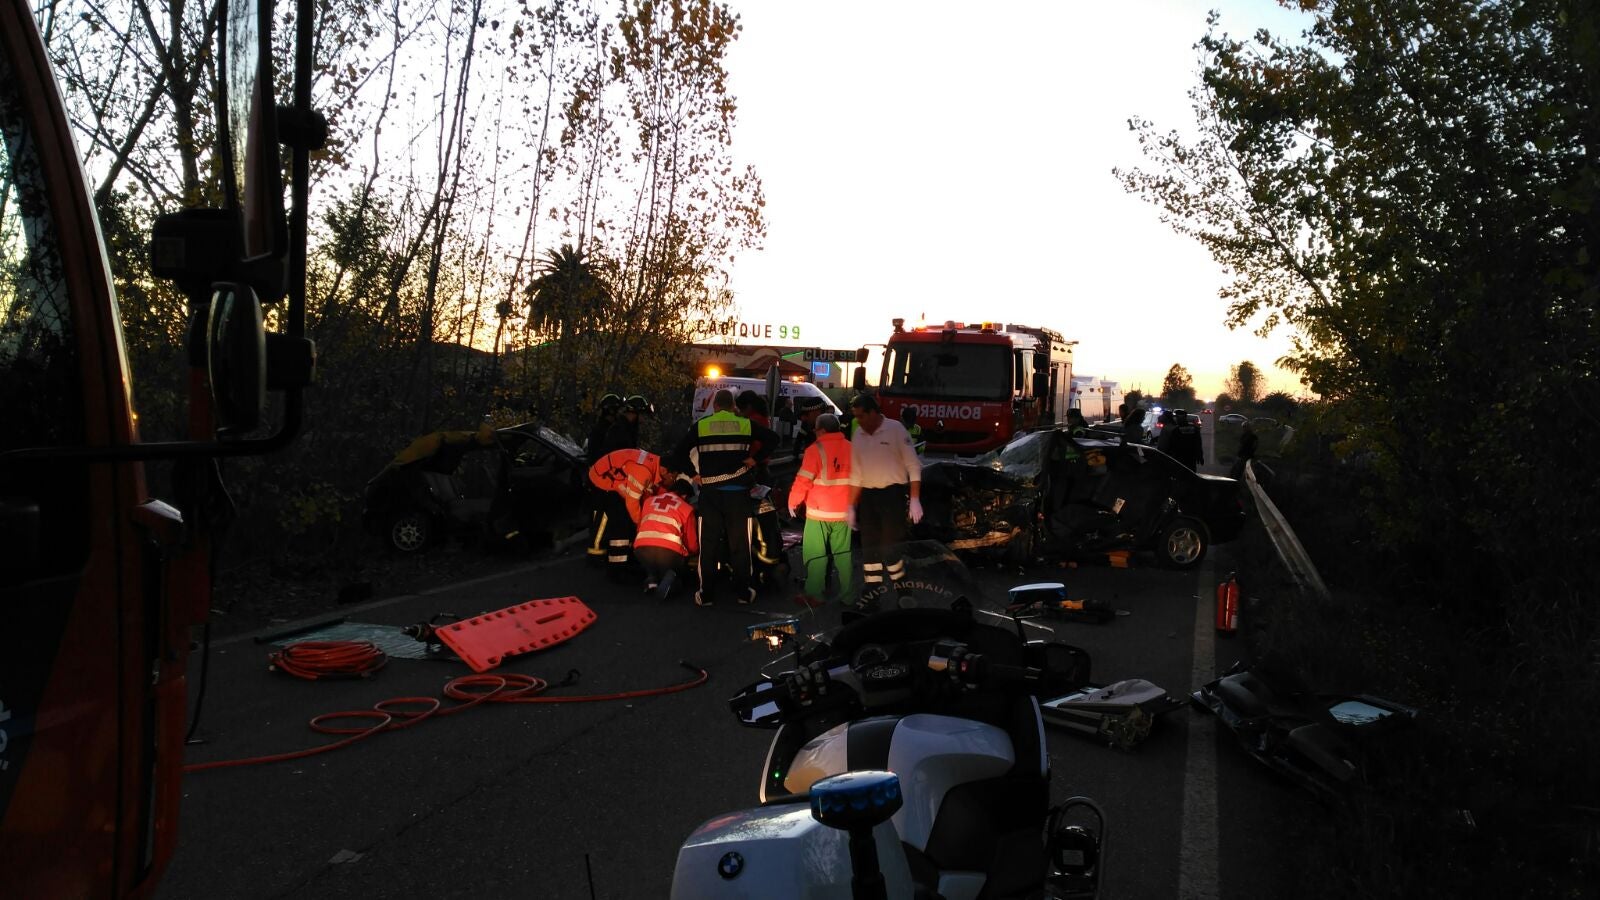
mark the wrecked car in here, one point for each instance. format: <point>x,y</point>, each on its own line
<point>1050,495</point>
<point>507,487</point>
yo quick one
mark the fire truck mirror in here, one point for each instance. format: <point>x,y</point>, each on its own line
<point>1041,384</point>
<point>858,382</point>
<point>236,357</point>
<point>250,147</point>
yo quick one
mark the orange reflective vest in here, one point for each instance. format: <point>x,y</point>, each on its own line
<point>631,473</point>
<point>668,521</point>
<point>823,482</point>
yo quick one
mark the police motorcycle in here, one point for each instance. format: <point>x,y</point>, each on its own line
<point>908,758</point>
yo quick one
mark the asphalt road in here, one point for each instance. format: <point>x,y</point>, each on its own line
<point>593,799</point>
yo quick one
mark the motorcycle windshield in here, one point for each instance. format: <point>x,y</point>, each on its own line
<point>934,579</point>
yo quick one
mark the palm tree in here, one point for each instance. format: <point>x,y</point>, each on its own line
<point>569,296</point>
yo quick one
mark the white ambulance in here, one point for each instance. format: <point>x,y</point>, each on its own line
<point>704,388</point>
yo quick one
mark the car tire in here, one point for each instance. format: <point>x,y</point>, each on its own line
<point>410,532</point>
<point>1183,543</point>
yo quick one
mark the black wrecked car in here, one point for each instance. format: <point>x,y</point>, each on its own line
<point>1047,494</point>
<point>508,487</point>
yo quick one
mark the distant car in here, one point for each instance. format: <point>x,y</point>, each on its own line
<point>1049,495</point>
<point>508,487</point>
<point>1235,419</point>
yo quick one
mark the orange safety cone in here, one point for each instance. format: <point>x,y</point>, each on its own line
<point>1228,605</point>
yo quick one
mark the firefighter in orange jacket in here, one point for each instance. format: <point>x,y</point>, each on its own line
<point>627,477</point>
<point>823,485</point>
<point>668,536</point>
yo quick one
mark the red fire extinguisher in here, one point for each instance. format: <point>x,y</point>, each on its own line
<point>1228,604</point>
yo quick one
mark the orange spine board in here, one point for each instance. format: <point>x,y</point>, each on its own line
<point>485,641</point>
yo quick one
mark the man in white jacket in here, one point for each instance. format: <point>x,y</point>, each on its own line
<point>885,484</point>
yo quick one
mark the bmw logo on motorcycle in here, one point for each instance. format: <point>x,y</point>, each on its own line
<point>730,865</point>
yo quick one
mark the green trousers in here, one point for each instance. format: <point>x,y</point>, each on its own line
<point>824,539</point>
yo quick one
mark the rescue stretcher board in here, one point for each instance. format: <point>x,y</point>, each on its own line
<point>485,641</point>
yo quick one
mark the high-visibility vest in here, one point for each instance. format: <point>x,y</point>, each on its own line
<point>631,473</point>
<point>823,482</point>
<point>917,442</point>
<point>722,444</point>
<point>667,521</point>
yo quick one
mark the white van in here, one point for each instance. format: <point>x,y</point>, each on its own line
<point>704,388</point>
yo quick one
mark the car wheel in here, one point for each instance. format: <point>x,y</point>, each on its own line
<point>1183,543</point>
<point>409,532</point>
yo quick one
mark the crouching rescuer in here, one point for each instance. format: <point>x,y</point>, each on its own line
<point>823,485</point>
<point>885,483</point>
<point>627,477</point>
<point>668,536</point>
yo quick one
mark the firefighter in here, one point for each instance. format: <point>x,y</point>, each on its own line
<point>823,485</point>
<point>885,484</point>
<point>594,449</point>
<point>764,541</point>
<point>1186,446</point>
<point>721,451</point>
<point>908,418</point>
<point>807,409</point>
<point>668,536</point>
<point>1077,425</point>
<point>626,476</point>
<point>624,431</point>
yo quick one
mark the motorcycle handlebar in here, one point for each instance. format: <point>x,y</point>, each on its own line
<point>820,686</point>
<point>966,667</point>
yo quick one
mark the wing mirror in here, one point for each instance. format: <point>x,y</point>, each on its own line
<point>236,358</point>
<point>858,381</point>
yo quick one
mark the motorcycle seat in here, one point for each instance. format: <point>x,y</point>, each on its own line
<point>1243,694</point>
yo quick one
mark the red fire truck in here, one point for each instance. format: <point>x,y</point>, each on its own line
<point>975,386</point>
<point>104,587</point>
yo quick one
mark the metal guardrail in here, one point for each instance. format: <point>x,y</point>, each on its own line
<point>1290,551</point>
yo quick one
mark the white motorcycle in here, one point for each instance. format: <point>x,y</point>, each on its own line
<point>909,761</point>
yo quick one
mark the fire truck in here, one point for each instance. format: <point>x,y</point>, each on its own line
<point>105,588</point>
<point>975,386</point>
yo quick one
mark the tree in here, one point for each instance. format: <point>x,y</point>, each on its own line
<point>1279,405</point>
<point>1177,389</point>
<point>1412,187</point>
<point>1244,384</point>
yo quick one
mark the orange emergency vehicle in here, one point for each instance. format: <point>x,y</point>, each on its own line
<point>104,587</point>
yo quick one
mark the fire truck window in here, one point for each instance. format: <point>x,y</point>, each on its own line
<point>959,372</point>
<point>39,395</point>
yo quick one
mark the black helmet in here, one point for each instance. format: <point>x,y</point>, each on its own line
<point>864,402</point>
<point>639,404</point>
<point>610,403</point>
<point>807,404</point>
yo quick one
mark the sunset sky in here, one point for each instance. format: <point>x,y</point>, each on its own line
<point>953,161</point>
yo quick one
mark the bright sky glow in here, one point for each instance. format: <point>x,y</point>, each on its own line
<point>954,160</point>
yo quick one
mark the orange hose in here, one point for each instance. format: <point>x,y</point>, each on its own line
<point>472,690</point>
<point>312,660</point>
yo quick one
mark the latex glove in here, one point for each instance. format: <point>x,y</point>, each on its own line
<point>793,511</point>
<point>850,518</point>
<point>916,510</point>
